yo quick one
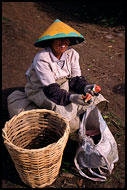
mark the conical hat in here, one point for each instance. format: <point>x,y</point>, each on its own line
<point>59,29</point>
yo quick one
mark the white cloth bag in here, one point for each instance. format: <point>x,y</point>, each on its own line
<point>100,155</point>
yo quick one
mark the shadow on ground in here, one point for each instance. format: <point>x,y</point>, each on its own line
<point>119,89</point>
<point>96,12</point>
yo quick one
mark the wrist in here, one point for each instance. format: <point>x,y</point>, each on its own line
<point>70,98</point>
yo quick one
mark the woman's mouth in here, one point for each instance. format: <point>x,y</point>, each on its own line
<point>63,46</point>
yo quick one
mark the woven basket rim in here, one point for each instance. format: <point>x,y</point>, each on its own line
<point>20,149</point>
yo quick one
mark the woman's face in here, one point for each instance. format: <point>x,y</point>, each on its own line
<point>59,46</point>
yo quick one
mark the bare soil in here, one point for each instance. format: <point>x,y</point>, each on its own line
<point>102,60</point>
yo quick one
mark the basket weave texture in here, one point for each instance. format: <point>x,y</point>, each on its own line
<point>35,141</point>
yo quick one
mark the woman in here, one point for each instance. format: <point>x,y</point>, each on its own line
<point>54,79</point>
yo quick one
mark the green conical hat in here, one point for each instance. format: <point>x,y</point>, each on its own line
<point>59,30</point>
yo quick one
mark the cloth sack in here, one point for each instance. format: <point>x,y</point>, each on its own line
<point>18,102</point>
<point>97,147</point>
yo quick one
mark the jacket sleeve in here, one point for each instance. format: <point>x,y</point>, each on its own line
<point>77,84</point>
<point>57,95</point>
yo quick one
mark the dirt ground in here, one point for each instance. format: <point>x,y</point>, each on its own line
<point>102,61</point>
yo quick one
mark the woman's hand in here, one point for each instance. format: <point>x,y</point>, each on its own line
<point>80,99</point>
<point>93,89</point>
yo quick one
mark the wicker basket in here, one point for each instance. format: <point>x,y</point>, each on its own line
<point>36,140</point>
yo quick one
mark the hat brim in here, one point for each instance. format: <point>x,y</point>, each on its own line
<point>46,42</point>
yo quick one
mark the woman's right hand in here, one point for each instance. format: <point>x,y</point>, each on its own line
<point>78,99</point>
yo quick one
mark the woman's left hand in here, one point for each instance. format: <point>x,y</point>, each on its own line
<point>93,89</point>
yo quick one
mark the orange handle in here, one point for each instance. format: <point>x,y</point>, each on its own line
<point>87,97</point>
<point>97,89</point>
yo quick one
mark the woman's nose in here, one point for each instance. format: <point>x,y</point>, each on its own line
<point>64,40</point>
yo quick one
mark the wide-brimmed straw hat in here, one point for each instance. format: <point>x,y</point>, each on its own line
<point>59,29</point>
